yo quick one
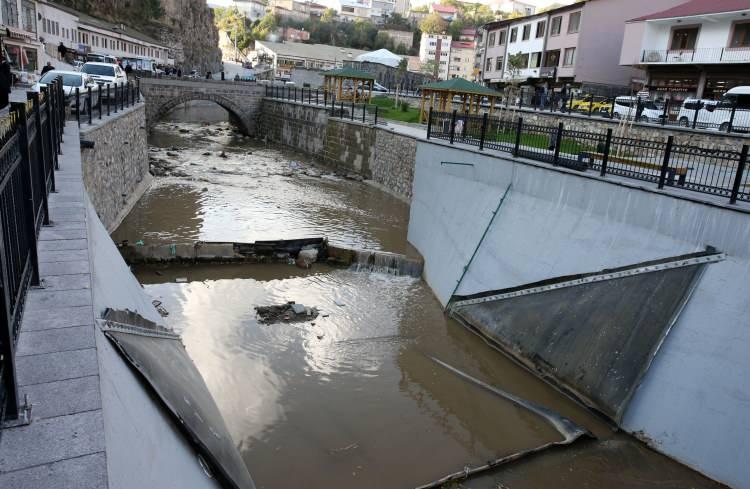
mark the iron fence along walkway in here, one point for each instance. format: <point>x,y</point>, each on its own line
<point>359,112</point>
<point>30,139</point>
<point>700,169</point>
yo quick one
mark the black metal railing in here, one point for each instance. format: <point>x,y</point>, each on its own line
<point>30,138</point>
<point>103,99</point>
<point>699,55</point>
<point>342,109</point>
<point>713,171</point>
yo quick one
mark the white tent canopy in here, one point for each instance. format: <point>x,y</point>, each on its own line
<point>382,56</point>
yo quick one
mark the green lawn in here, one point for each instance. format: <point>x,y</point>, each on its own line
<point>386,110</point>
<point>569,146</point>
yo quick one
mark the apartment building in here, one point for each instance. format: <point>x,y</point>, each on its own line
<point>447,12</point>
<point>699,48</point>
<point>562,44</point>
<point>352,10</point>
<point>525,44</point>
<point>401,7</point>
<point>381,9</point>
<point>436,47</point>
<point>493,49</point>
<point>513,7</point>
<point>19,34</point>
<point>461,60</point>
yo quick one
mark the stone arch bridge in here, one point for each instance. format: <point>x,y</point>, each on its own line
<point>241,99</point>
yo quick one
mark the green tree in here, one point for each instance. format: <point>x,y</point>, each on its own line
<point>265,27</point>
<point>383,40</point>
<point>420,10</point>
<point>329,15</point>
<point>231,20</point>
<point>429,68</point>
<point>433,24</point>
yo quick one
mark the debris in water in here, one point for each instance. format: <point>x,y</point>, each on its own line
<point>207,153</point>
<point>338,302</point>
<point>159,308</point>
<point>223,155</point>
<point>307,256</point>
<point>181,280</point>
<point>157,272</point>
<point>344,449</point>
<point>290,311</point>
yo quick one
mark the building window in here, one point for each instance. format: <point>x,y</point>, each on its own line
<point>499,64</point>
<point>570,57</point>
<point>526,32</point>
<point>574,22</point>
<point>488,65</point>
<point>741,36</point>
<point>536,60</point>
<point>540,28</point>
<point>555,26</point>
<point>513,34</point>
<point>684,38</point>
<point>524,60</point>
<point>552,58</point>
<point>492,39</point>
<point>501,37</point>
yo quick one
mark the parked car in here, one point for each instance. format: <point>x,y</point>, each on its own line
<point>626,107</point>
<point>101,58</point>
<point>70,80</point>
<point>715,114</point>
<point>590,103</point>
<point>103,73</point>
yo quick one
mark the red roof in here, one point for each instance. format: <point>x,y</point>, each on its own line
<point>445,9</point>
<point>462,45</point>
<point>698,7</point>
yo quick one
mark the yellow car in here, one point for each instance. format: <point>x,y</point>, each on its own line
<point>591,103</point>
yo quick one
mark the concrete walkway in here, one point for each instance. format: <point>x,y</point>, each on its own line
<point>56,356</point>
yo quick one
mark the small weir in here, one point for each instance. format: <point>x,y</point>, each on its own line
<point>384,262</point>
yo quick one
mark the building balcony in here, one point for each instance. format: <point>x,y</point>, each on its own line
<point>547,71</point>
<point>696,56</point>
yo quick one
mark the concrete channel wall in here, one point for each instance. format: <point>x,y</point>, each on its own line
<point>516,222</point>
<point>116,169</point>
<point>377,153</point>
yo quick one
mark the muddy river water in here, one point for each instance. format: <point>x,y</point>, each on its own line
<point>352,399</point>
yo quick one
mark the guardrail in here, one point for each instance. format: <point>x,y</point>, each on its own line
<point>30,139</point>
<point>695,168</point>
<point>361,112</point>
<point>117,96</point>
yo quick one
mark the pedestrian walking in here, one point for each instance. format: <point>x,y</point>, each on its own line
<point>47,67</point>
<point>61,51</point>
<point>179,72</point>
<point>128,70</point>
<point>6,81</point>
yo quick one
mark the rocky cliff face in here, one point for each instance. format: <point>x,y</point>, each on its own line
<point>192,34</point>
<point>185,26</point>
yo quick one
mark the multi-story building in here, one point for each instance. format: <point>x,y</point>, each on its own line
<point>513,7</point>
<point>525,47</point>
<point>19,34</point>
<point>562,43</point>
<point>381,9</point>
<point>83,34</point>
<point>461,60</point>
<point>285,56</point>
<point>468,34</point>
<point>399,38</point>
<point>700,48</point>
<point>296,35</point>
<point>494,44</point>
<point>401,7</point>
<point>437,48</point>
<point>447,12</point>
<point>352,10</point>
<point>416,17</point>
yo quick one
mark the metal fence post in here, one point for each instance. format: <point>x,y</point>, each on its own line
<point>731,117</point>
<point>109,100</point>
<point>591,105</point>
<point>99,101</point>
<point>558,143</point>
<point>41,155</point>
<point>519,128</point>
<point>78,105</point>
<point>738,176</point>
<point>612,110</point>
<point>665,163</point>
<point>89,105</point>
<point>341,114</point>
<point>376,115</point>
<point>605,157</point>
<point>28,200</point>
<point>429,123</point>
<point>325,97</point>
<point>695,115</point>
<point>352,109</point>
<point>138,90</point>
<point>122,96</point>
<point>453,125</point>
<point>483,131</point>
<point>665,113</point>
<point>364,112</point>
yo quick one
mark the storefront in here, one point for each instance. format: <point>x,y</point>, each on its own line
<point>673,85</point>
<point>22,50</point>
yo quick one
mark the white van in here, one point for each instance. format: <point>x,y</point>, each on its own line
<point>717,115</point>
<point>626,107</point>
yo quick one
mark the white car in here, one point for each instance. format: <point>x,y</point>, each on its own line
<point>626,107</point>
<point>70,80</point>
<point>104,73</point>
<point>714,114</point>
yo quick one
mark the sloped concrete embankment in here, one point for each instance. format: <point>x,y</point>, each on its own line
<point>494,224</point>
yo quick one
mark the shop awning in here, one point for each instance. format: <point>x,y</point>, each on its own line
<point>16,33</point>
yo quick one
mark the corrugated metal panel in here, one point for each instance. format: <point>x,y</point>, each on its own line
<point>594,335</point>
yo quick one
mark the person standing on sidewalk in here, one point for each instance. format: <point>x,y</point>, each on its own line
<point>61,51</point>
<point>48,67</point>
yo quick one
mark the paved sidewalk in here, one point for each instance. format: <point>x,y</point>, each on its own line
<point>56,356</point>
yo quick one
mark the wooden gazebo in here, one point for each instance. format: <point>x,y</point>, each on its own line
<point>349,84</point>
<point>439,96</point>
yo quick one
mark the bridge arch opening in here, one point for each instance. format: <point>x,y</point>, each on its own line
<point>212,109</point>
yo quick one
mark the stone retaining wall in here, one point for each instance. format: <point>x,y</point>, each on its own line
<point>115,170</point>
<point>374,152</point>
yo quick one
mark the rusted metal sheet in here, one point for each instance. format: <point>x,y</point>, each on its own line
<point>158,355</point>
<point>594,335</point>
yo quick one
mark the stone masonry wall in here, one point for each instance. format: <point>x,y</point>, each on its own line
<point>374,152</point>
<point>115,170</point>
